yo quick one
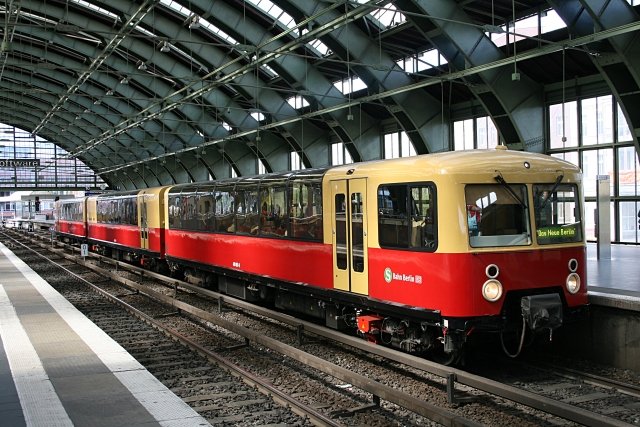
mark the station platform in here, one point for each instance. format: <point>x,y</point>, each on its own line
<point>59,369</point>
<point>614,282</point>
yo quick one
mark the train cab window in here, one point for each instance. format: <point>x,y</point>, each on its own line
<point>557,213</point>
<point>406,216</point>
<point>497,215</point>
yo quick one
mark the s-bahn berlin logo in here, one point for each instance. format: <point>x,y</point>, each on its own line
<point>389,276</point>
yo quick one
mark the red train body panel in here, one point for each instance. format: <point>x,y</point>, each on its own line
<point>451,283</point>
<point>117,235</point>
<point>76,229</point>
<point>286,260</point>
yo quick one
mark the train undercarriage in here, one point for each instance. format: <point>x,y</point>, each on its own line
<point>425,338</point>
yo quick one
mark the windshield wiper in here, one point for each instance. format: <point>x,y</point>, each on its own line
<point>506,185</point>
<point>553,189</point>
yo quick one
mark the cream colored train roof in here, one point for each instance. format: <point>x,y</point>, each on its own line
<point>462,163</point>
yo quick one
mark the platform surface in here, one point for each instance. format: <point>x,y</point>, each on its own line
<point>620,274</point>
<point>614,282</point>
<point>58,369</point>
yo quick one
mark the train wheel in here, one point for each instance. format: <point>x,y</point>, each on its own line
<point>452,342</point>
<point>448,359</point>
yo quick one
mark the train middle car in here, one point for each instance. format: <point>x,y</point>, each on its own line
<point>129,226</point>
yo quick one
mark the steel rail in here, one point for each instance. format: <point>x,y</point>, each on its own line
<point>511,393</point>
<point>261,384</point>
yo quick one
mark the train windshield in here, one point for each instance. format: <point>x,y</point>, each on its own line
<point>557,213</point>
<point>497,215</point>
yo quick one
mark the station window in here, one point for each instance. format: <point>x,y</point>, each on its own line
<point>593,133</point>
<point>479,133</point>
<point>398,144</point>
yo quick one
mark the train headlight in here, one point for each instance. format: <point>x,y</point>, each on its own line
<point>492,290</point>
<point>573,283</point>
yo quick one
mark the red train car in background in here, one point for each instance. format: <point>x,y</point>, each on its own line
<point>128,226</point>
<point>71,218</point>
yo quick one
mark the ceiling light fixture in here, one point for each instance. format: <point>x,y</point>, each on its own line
<point>124,81</point>
<point>165,47</point>
<point>142,66</point>
<point>109,92</point>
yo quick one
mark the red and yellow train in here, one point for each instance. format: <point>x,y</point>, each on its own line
<point>417,253</point>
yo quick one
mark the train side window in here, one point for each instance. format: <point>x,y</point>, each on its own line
<point>174,210</point>
<point>206,211</point>
<point>273,211</point>
<point>423,230</point>
<point>225,209</point>
<point>305,213</point>
<point>406,216</point>
<point>247,211</point>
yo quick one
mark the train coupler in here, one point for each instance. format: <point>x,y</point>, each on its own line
<point>542,312</point>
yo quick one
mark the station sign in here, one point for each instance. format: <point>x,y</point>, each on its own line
<point>19,163</point>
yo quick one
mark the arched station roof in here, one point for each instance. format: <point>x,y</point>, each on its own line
<point>152,92</point>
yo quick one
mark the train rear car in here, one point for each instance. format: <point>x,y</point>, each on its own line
<point>71,219</point>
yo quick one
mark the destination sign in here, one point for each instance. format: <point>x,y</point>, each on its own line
<point>19,163</point>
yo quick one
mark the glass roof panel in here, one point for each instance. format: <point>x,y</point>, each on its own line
<point>385,16</point>
<point>281,17</point>
<point>95,8</point>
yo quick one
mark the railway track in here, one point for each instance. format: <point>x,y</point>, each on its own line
<point>331,400</point>
<point>402,373</point>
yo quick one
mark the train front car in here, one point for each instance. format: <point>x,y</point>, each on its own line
<point>466,242</point>
<point>71,219</point>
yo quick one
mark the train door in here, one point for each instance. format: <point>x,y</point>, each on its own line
<point>349,217</point>
<point>144,220</point>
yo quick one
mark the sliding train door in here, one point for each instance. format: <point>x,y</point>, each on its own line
<point>349,234</point>
<point>143,208</point>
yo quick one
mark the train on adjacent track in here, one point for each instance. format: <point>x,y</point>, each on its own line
<point>417,253</point>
